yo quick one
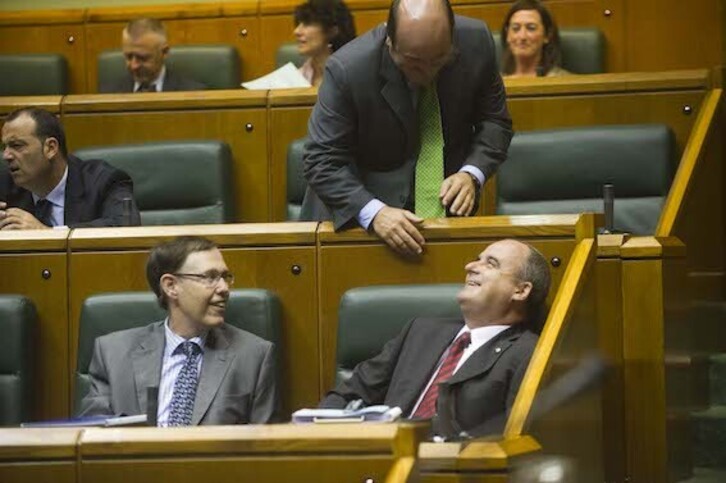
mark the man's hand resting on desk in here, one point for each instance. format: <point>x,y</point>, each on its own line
<point>399,229</point>
<point>458,193</point>
<point>17,219</point>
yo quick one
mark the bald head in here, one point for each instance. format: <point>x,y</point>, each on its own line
<point>420,37</point>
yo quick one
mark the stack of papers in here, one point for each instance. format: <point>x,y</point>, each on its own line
<point>380,414</point>
<point>286,77</point>
<point>103,421</point>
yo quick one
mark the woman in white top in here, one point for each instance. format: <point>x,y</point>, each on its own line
<point>321,28</point>
<point>531,42</point>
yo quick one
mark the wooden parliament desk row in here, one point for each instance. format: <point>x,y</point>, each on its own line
<point>598,303</point>
<point>683,35</point>
<point>259,125</point>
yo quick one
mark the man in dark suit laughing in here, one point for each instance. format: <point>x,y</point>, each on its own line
<point>42,186</point>
<point>480,358</point>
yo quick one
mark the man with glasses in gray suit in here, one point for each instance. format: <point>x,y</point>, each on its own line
<point>207,372</point>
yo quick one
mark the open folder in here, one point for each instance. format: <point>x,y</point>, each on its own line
<point>102,421</point>
<point>381,414</point>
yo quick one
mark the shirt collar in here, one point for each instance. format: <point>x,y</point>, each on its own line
<point>57,195</point>
<point>173,340</point>
<point>158,82</point>
<point>482,335</point>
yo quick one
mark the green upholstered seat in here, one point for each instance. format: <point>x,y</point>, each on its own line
<point>254,310</point>
<point>176,182</point>
<point>368,317</point>
<point>287,52</point>
<point>18,321</point>
<point>216,66</point>
<point>563,171</point>
<point>296,183</point>
<point>583,50</point>
<point>33,75</point>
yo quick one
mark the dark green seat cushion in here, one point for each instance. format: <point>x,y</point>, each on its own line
<point>368,317</point>
<point>563,171</point>
<point>178,182</point>
<point>18,321</point>
<point>216,66</point>
<point>583,50</point>
<point>296,183</point>
<point>33,75</point>
<point>287,52</point>
<point>254,310</point>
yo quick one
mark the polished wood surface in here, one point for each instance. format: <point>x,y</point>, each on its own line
<point>38,455</point>
<point>33,264</point>
<point>243,129</point>
<point>476,455</point>
<point>645,262</point>
<point>258,261</point>
<point>354,259</point>
<point>10,103</point>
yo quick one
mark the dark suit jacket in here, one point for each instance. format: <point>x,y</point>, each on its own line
<point>172,82</point>
<point>95,191</point>
<point>483,388</point>
<point>237,384</point>
<point>364,122</point>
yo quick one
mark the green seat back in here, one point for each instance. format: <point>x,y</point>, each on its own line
<point>33,75</point>
<point>368,317</point>
<point>176,183</point>
<point>287,52</point>
<point>563,171</point>
<point>583,50</point>
<point>216,66</point>
<point>254,310</point>
<point>296,183</point>
<point>18,321</point>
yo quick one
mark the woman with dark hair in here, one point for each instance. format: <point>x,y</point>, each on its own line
<point>531,41</point>
<point>321,28</point>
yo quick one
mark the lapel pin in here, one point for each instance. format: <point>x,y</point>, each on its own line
<point>497,350</point>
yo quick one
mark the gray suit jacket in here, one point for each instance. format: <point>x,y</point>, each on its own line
<point>237,384</point>
<point>364,128</point>
<point>483,388</point>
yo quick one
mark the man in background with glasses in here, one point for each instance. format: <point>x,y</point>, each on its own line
<point>207,372</point>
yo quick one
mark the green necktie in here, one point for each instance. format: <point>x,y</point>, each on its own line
<point>430,163</point>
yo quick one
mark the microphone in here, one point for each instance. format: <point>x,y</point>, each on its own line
<point>152,405</point>
<point>126,211</point>
<point>608,196</point>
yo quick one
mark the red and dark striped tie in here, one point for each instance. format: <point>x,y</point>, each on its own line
<point>427,408</point>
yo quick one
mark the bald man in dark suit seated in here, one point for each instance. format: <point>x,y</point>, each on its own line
<point>480,359</point>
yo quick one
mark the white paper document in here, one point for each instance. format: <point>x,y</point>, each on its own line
<point>286,77</point>
<point>381,414</point>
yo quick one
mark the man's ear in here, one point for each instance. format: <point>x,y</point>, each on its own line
<point>165,51</point>
<point>169,286</point>
<point>50,148</point>
<point>522,291</point>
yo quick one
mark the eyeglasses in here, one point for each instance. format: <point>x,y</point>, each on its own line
<point>210,279</point>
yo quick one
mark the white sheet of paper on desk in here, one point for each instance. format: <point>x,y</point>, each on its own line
<point>286,77</point>
<point>381,414</point>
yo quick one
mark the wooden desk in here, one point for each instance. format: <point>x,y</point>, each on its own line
<point>260,256</point>
<point>33,264</point>
<point>237,117</point>
<point>354,259</point>
<point>39,455</point>
<point>276,453</point>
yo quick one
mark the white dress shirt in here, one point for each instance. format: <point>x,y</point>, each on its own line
<point>158,82</point>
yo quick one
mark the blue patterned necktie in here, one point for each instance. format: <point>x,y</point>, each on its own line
<point>43,211</point>
<point>185,386</point>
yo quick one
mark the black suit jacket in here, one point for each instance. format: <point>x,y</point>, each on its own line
<point>364,123</point>
<point>95,191</point>
<point>483,388</point>
<point>172,82</point>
